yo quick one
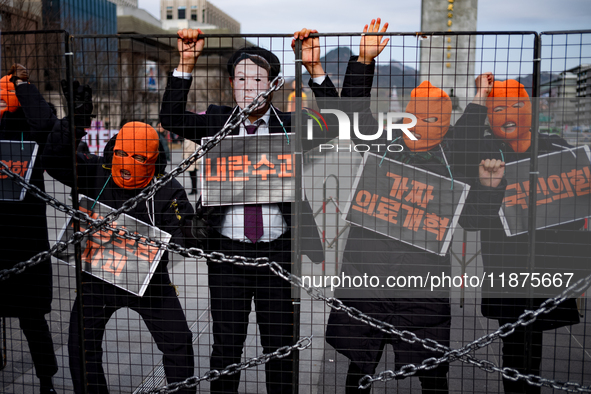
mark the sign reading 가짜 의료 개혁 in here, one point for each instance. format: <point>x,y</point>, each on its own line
<point>242,170</point>
<point>124,263</point>
<point>406,203</point>
<point>563,190</point>
<point>19,157</point>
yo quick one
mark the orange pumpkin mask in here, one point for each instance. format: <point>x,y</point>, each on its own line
<point>509,113</point>
<point>432,107</point>
<point>9,102</point>
<point>134,155</point>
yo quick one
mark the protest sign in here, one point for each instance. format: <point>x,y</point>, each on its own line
<point>248,170</point>
<point>406,203</point>
<point>563,190</point>
<point>124,263</point>
<point>20,157</point>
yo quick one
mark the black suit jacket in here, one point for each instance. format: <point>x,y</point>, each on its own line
<point>175,118</point>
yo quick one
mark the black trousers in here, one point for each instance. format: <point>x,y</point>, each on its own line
<point>36,331</point>
<point>433,383</point>
<point>516,352</point>
<point>161,311</point>
<point>233,289</point>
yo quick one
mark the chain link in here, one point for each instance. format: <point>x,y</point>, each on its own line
<point>193,381</point>
<point>449,354</point>
<point>96,225</point>
<point>485,365</point>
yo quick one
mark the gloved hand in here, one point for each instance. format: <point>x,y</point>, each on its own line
<point>83,106</point>
<point>201,229</point>
<point>18,72</point>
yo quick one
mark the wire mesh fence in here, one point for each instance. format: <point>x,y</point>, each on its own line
<point>328,228</point>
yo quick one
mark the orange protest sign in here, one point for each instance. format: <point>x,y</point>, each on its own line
<point>125,263</point>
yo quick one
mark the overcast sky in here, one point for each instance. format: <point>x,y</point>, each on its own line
<point>272,16</point>
<point>341,16</point>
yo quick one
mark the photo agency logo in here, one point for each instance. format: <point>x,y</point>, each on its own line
<point>393,121</point>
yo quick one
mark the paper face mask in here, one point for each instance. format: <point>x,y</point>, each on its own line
<point>249,80</point>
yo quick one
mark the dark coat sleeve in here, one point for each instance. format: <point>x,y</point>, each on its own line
<point>174,116</point>
<point>356,100</point>
<point>482,206</point>
<point>176,213</point>
<point>325,90</point>
<point>37,112</point>
<point>467,137</point>
<point>358,80</point>
<point>57,157</point>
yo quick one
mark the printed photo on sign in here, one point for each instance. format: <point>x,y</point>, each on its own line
<point>563,190</point>
<point>406,203</point>
<point>19,157</point>
<point>97,137</point>
<point>125,263</point>
<point>248,170</point>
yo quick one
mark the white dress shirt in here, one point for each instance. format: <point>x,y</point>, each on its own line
<point>233,223</point>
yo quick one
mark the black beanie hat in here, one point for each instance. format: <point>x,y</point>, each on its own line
<point>273,65</point>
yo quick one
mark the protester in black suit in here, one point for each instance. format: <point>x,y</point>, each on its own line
<point>132,160</point>
<point>232,288</point>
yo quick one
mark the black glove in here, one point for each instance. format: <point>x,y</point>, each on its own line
<point>201,230</point>
<point>82,103</point>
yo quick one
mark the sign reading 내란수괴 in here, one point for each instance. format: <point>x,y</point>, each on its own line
<point>406,203</point>
<point>124,263</point>
<point>563,190</point>
<point>20,157</point>
<point>248,170</point>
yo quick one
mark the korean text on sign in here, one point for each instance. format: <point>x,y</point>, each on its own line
<point>248,170</point>
<point>563,190</point>
<point>19,157</point>
<point>125,263</point>
<point>406,203</point>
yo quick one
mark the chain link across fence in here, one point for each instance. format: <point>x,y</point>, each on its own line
<point>474,326</point>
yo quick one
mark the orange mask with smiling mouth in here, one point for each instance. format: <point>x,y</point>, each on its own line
<point>9,102</point>
<point>134,155</point>
<point>432,107</point>
<point>509,113</point>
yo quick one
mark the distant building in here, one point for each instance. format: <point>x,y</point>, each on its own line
<point>583,80</point>
<point>179,14</point>
<point>80,17</point>
<point>130,18</point>
<point>565,107</point>
<point>18,47</point>
<point>558,102</point>
<point>584,92</point>
<point>125,3</point>
<point>143,65</point>
<point>20,16</point>
<point>210,83</point>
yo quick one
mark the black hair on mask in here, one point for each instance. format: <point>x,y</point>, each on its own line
<point>258,56</point>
